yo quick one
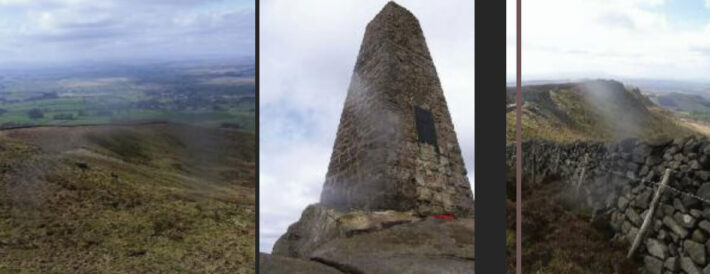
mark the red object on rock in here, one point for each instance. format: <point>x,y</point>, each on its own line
<point>444,216</point>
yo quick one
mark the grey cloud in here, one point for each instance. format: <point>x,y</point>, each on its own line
<point>615,19</point>
<point>98,24</point>
<point>702,50</point>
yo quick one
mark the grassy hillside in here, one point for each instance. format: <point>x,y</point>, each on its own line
<point>593,110</point>
<point>160,198</point>
<point>682,102</point>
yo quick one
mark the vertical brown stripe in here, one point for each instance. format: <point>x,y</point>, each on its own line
<point>518,149</point>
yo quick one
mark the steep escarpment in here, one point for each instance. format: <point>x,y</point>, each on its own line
<point>613,186</point>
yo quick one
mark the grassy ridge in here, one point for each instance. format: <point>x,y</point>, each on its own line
<point>595,110</point>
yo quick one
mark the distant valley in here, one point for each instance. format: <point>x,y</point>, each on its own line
<point>144,168</point>
<point>219,93</point>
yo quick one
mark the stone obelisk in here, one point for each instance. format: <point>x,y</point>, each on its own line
<point>396,148</point>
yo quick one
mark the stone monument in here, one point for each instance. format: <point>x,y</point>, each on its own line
<point>396,148</point>
<point>396,198</point>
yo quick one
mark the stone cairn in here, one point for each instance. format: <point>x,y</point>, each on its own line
<point>396,170</point>
<point>620,182</point>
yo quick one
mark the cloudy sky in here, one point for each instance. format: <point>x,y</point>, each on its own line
<point>308,50</point>
<point>80,30</point>
<point>657,39</point>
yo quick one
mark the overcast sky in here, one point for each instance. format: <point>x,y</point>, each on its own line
<point>657,39</point>
<point>307,54</point>
<point>79,30</point>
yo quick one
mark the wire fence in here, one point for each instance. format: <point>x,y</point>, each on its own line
<point>658,184</point>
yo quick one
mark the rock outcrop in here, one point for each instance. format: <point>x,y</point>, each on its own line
<point>375,242</point>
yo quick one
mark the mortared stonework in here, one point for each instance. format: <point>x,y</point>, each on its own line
<point>396,148</point>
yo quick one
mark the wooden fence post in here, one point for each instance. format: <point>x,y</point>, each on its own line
<point>649,215</point>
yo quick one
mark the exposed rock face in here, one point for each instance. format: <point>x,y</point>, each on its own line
<point>428,246</point>
<point>375,242</point>
<point>316,226</point>
<point>396,148</point>
<point>319,225</point>
<point>275,264</point>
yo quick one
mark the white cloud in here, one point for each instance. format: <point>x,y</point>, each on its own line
<point>77,30</point>
<point>604,38</point>
<point>308,50</point>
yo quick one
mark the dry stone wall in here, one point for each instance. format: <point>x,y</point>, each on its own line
<point>620,182</point>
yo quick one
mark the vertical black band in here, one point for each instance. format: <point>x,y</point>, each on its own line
<point>490,191</point>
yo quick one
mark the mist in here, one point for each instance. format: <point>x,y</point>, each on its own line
<point>624,115</point>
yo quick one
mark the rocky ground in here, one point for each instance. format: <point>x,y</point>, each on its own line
<point>328,241</point>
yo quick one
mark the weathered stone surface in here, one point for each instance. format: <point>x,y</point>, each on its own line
<point>634,217</point>
<point>657,248</point>
<point>698,236</point>
<point>667,209</point>
<point>396,148</point>
<point>696,251</point>
<point>316,226</point>
<point>643,199</point>
<point>653,160</point>
<point>685,220</point>
<point>274,264</point>
<point>704,191</point>
<point>653,265</point>
<point>675,227</point>
<point>679,205</point>
<point>671,264</point>
<point>694,165</point>
<point>703,174</point>
<point>359,221</point>
<point>429,246</point>
<point>688,266</point>
<point>622,203</point>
